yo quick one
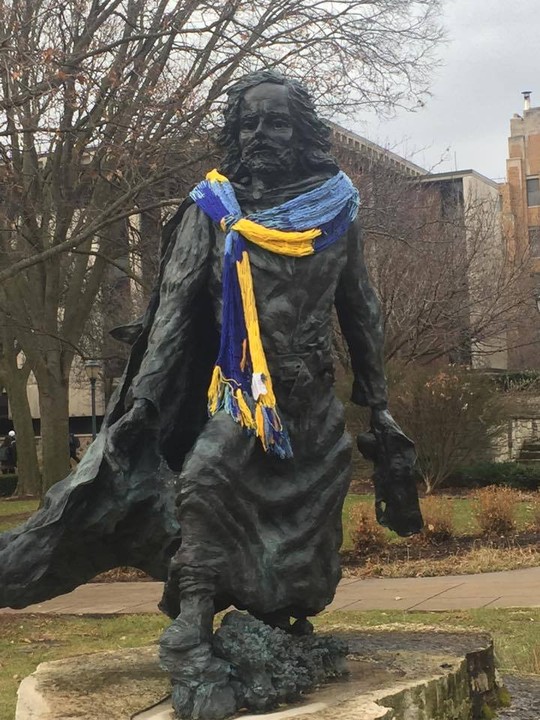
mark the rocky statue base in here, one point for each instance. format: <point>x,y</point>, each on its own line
<point>250,666</point>
<point>394,674</point>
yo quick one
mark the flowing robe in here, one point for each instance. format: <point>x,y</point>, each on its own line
<point>266,531</point>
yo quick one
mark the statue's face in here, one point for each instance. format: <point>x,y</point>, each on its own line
<point>266,131</point>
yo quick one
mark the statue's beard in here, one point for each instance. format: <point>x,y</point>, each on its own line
<point>268,161</point>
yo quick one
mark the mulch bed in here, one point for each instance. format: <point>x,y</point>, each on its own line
<point>420,549</point>
<point>122,574</point>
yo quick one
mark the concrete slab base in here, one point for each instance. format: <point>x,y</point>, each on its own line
<point>413,675</point>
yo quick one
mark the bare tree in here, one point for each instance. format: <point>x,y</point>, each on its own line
<point>438,257</point>
<point>104,108</point>
<point>454,414</point>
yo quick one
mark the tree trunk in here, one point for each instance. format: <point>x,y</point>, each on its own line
<point>54,411</point>
<point>16,380</point>
<point>27,463</point>
<point>429,483</point>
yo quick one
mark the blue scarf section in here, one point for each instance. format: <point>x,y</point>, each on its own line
<point>241,383</point>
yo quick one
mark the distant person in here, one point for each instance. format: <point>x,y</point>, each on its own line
<point>74,445</point>
<point>8,454</point>
<point>13,448</point>
<point>4,450</point>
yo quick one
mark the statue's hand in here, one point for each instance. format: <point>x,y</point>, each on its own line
<point>393,454</point>
<point>126,436</point>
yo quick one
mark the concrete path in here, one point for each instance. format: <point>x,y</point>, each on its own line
<point>514,588</point>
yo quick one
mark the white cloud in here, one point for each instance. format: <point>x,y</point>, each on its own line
<point>490,57</point>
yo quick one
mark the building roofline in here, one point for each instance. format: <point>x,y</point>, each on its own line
<point>358,142</point>
<point>456,174</point>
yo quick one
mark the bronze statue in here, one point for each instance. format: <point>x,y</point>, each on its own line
<point>259,485</point>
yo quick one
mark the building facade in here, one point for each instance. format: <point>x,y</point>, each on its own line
<point>521,212</point>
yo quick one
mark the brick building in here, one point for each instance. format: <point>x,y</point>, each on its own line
<point>521,211</point>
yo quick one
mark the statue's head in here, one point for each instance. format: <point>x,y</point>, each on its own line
<point>271,129</point>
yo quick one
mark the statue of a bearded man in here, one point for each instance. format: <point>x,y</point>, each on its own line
<point>227,406</point>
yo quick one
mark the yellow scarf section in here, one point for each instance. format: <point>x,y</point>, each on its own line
<point>292,244</point>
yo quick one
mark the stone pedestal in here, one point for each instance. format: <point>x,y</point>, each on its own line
<point>394,675</point>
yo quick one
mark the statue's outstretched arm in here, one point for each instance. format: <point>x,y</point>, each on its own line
<point>392,452</point>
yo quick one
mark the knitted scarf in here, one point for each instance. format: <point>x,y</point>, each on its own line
<point>241,383</point>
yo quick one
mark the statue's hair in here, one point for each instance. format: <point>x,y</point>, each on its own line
<point>312,135</point>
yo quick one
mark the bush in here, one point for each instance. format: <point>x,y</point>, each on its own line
<point>8,484</point>
<point>438,520</point>
<point>506,474</point>
<point>366,534</point>
<point>452,414</point>
<point>495,509</point>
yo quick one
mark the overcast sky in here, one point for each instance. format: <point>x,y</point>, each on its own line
<point>492,54</point>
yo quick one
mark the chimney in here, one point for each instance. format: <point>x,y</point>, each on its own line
<point>526,99</point>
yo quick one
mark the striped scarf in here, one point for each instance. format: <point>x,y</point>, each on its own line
<point>241,383</point>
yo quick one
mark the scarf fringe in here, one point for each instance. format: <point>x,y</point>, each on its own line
<point>264,422</point>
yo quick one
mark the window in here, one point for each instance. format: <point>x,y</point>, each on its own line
<point>533,191</point>
<point>534,241</point>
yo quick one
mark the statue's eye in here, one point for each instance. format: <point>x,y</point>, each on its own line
<point>248,123</point>
<point>280,123</point>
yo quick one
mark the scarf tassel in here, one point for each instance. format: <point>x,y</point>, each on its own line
<point>265,423</point>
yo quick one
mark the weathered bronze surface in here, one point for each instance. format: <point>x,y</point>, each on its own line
<point>257,532</point>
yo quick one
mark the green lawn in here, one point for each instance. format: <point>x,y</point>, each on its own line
<point>515,631</point>
<point>26,641</point>
<point>11,507</point>
<point>14,512</point>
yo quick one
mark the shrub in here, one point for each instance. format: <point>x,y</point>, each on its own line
<point>495,509</point>
<point>507,474</point>
<point>366,534</point>
<point>452,414</point>
<point>438,520</point>
<point>8,484</point>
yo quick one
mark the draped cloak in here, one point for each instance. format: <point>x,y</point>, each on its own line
<point>267,531</point>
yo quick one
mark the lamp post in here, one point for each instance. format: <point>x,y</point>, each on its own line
<point>92,368</point>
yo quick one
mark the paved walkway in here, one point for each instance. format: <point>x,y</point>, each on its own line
<point>514,588</point>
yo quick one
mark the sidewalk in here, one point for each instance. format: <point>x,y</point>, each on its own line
<point>513,588</point>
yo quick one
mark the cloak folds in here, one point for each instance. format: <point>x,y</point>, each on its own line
<point>102,516</point>
<point>269,530</point>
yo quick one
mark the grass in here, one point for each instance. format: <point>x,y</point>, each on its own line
<point>16,507</point>
<point>515,631</point>
<point>14,512</point>
<point>27,640</point>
